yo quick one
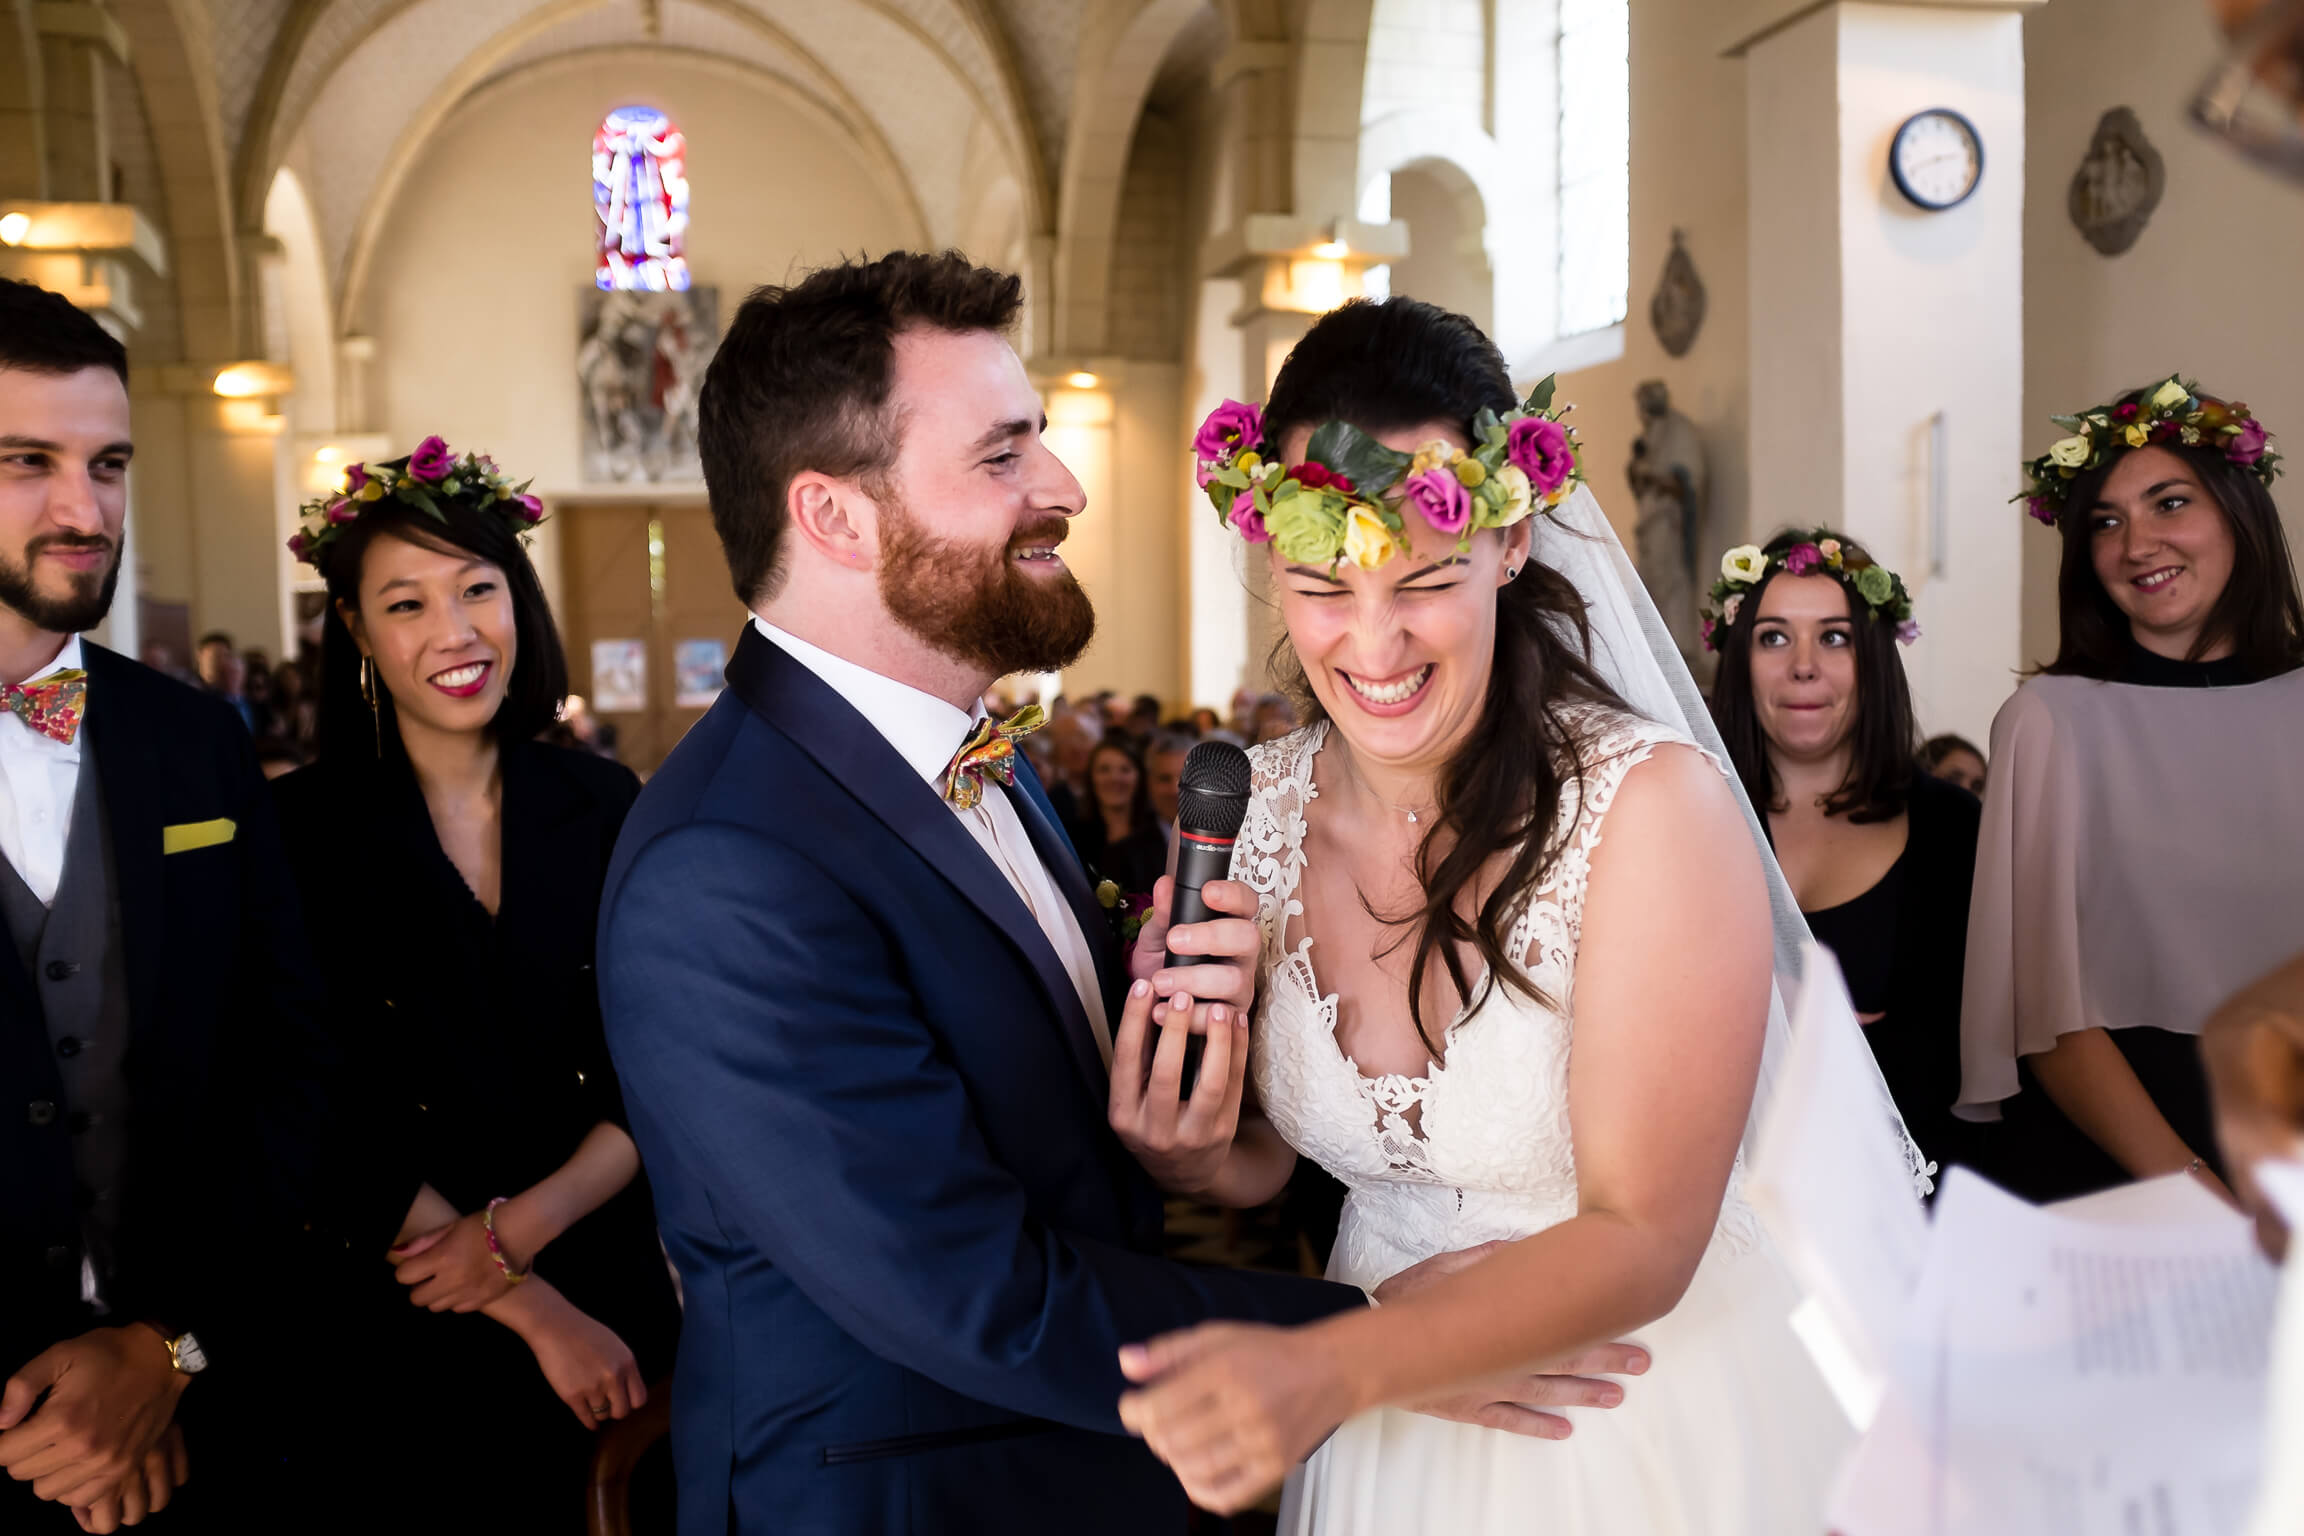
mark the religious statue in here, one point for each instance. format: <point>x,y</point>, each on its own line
<point>1669,483</point>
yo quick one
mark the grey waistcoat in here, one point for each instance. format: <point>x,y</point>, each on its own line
<point>79,969</point>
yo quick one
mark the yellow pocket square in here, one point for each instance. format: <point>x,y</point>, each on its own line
<point>188,835</point>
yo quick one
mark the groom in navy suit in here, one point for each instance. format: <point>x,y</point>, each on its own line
<point>864,1007</point>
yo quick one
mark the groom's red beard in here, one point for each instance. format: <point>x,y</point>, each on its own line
<point>975,603</point>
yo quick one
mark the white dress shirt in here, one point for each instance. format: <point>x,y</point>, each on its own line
<point>38,777</point>
<point>926,731</point>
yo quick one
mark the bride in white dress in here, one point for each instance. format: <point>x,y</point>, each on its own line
<point>1579,896</point>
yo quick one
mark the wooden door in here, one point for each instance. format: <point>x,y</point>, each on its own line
<point>649,620</point>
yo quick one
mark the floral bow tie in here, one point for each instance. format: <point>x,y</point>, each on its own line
<point>51,706</point>
<point>988,753</point>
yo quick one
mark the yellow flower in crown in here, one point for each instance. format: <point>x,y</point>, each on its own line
<point>1744,563</point>
<point>1519,494</point>
<point>2169,396</point>
<point>1367,542</point>
<point>2137,435</point>
<point>2068,453</point>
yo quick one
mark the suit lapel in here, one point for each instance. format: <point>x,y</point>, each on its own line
<point>1071,877</point>
<point>129,769</point>
<point>851,749</point>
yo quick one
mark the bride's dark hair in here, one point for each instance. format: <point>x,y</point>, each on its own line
<point>1385,365</point>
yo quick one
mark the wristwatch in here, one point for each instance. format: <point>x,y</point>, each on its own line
<point>184,1351</point>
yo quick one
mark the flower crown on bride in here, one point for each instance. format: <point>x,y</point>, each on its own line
<point>1349,498</point>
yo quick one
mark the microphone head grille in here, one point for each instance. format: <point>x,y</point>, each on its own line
<point>1212,797</point>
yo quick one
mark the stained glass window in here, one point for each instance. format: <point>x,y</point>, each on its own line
<point>1595,163</point>
<point>640,193</point>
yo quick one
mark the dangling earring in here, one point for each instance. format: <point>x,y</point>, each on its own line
<point>368,694</point>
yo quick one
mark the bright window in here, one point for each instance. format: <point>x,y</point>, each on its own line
<point>640,193</point>
<point>1595,255</point>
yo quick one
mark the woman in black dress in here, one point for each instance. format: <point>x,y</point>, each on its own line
<point>1814,706</point>
<point>497,1252</point>
<point>1120,837</point>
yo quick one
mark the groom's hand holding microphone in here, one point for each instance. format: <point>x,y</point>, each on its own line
<point>1180,1055</point>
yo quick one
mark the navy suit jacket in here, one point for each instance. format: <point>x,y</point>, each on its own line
<point>874,1119</point>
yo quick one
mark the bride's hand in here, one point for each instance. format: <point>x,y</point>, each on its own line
<point>1230,1407</point>
<point>1181,1142</point>
<point>1227,945</point>
<point>1511,1402</point>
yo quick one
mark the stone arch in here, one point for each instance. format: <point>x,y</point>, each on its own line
<point>1120,55</point>
<point>179,91</point>
<point>466,82</point>
<point>1514,223</point>
<point>306,308</point>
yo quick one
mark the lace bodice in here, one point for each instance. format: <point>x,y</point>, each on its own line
<point>1479,1146</point>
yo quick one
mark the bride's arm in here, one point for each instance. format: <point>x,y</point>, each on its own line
<point>1671,1001</point>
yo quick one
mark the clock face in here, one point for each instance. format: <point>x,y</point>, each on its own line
<point>1937,159</point>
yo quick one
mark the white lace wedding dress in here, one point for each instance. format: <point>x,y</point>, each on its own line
<point>1730,1433</point>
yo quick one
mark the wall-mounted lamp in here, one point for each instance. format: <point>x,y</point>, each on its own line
<point>1081,380</point>
<point>247,381</point>
<point>14,227</point>
<point>1332,249</point>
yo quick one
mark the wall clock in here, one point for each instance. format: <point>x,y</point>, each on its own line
<point>1937,159</point>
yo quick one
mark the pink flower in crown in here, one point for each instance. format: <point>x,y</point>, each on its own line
<point>1229,428</point>
<point>530,507</point>
<point>355,476</point>
<point>1800,559</point>
<point>431,460</point>
<point>2042,509</point>
<point>2248,447</point>
<point>1908,631</point>
<point>1540,448</point>
<point>1315,476</point>
<point>297,544</point>
<point>1247,521</point>
<point>1709,626</point>
<point>2126,411</point>
<point>343,511</point>
<point>1441,498</point>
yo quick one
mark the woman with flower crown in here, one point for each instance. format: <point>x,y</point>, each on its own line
<point>1517,981</point>
<point>1816,711</point>
<point>497,1255</point>
<point>2138,862</point>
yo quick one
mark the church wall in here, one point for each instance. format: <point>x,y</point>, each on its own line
<point>2211,287</point>
<point>1688,173</point>
<point>477,276</point>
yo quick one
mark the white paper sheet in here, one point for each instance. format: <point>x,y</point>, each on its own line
<point>2091,1371</point>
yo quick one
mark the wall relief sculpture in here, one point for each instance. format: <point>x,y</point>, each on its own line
<point>1677,310</point>
<point>2118,185</point>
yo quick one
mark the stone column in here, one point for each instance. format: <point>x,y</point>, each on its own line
<point>1887,341</point>
<point>77,39</point>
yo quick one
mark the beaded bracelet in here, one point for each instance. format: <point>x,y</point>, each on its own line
<point>495,1248</point>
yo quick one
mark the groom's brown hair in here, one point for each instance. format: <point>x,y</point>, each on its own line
<point>801,382</point>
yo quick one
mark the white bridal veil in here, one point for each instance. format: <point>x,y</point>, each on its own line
<point>1634,652</point>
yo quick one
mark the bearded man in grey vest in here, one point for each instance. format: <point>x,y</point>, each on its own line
<point>159,1068</point>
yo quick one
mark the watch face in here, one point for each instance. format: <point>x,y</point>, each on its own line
<point>1937,159</point>
<point>189,1357</point>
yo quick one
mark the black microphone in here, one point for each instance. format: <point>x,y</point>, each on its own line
<point>1211,802</point>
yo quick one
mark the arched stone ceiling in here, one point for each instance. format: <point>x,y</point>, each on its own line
<point>353,72</point>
